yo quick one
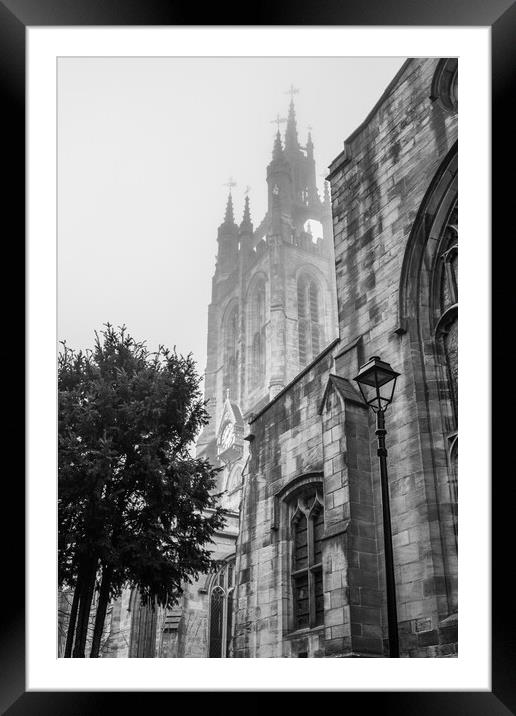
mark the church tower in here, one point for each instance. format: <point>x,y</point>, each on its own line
<point>272,311</point>
<point>273,306</point>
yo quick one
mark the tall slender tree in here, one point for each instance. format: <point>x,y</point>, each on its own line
<point>135,508</point>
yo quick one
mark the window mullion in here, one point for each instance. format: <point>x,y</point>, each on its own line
<point>224,614</point>
<point>224,626</point>
<point>311,581</point>
<point>306,566</point>
<point>310,539</point>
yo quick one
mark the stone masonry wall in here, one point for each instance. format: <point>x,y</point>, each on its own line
<point>318,428</point>
<point>378,184</point>
<point>315,431</point>
<point>287,441</point>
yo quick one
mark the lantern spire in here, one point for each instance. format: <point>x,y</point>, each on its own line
<point>291,140</point>
<point>277,150</point>
<point>246,219</point>
<point>229,216</point>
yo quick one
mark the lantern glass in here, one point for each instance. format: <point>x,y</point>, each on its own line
<point>374,375</point>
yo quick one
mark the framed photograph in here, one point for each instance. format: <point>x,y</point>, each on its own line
<point>280,199</point>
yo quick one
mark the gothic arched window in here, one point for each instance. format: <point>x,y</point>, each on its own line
<point>221,610</point>
<point>307,528</point>
<point>428,311</point>
<point>446,310</point>
<point>310,333</point>
<point>445,84</point>
<point>446,337</point>
<point>258,331</point>
<point>231,329</point>
<point>454,468</point>
<point>143,628</point>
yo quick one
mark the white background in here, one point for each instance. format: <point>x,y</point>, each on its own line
<point>471,670</point>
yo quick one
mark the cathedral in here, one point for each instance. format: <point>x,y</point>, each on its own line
<point>300,301</point>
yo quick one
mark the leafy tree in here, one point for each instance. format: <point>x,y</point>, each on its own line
<point>135,508</point>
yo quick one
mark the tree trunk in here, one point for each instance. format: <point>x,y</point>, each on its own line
<point>72,620</point>
<point>100,616</point>
<point>86,596</point>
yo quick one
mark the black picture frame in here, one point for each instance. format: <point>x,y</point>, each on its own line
<point>500,16</point>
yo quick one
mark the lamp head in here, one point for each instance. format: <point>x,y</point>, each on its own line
<point>377,381</point>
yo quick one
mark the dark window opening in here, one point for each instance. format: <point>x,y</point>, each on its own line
<point>221,611</point>
<point>307,573</point>
<point>310,332</point>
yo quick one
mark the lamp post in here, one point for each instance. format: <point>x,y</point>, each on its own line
<point>372,377</point>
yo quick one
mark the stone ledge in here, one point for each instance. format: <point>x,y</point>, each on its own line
<point>336,530</point>
<point>300,633</point>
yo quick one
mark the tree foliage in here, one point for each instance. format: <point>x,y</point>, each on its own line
<point>135,508</point>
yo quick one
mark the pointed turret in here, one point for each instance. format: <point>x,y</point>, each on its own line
<point>327,219</point>
<point>229,217</point>
<point>227,238</point>
<point>278,173</point>
<point>291,141</point>
<point>309,146</point>
<point>327,199</point>
<point>277,150</point>
<point>246,219</point>
<point>245,232</point>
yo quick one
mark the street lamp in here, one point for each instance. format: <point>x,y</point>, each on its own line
<point>377,381</point>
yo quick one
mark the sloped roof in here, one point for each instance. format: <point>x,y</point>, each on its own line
<point>346,389</point>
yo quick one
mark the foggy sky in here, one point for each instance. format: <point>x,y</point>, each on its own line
<point>145,146</point>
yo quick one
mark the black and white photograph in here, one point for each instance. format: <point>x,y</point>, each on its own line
<point>257,265</point>
<point>244,370</point>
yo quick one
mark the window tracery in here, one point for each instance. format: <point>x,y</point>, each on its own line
<point>445,84</point>
<point>307,529</point>
<point>221,611</point>
<point>447,306</point>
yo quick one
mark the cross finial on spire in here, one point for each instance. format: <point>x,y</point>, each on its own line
<point>279,120</point>
<point>292,91</point>
<point>291,141</point>
<point>247,190</point>
<point>230,183</point>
